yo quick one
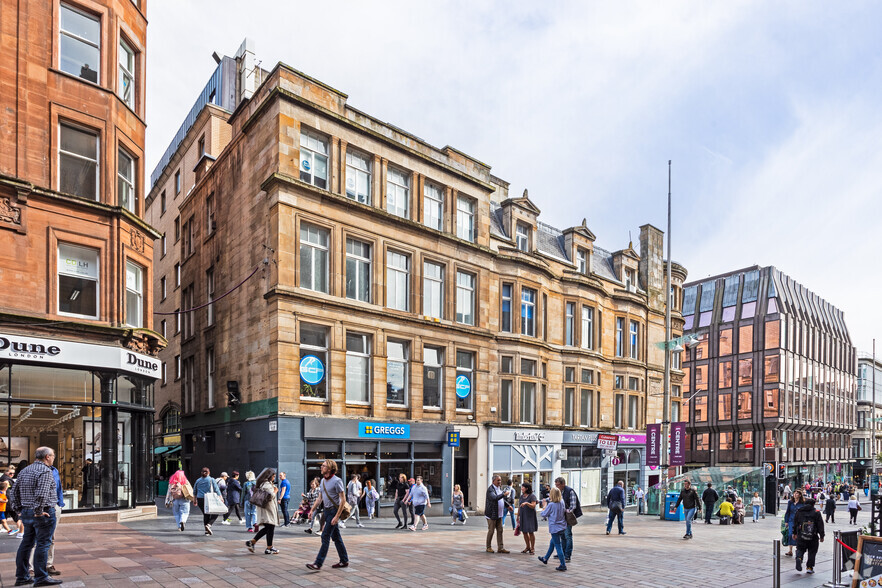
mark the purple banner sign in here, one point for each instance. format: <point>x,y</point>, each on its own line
<point>653,445</point>
<point>678,444</point>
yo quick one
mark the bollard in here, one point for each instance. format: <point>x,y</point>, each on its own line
<point>776,563</point>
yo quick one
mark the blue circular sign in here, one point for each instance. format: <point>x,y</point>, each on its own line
<point>312,370</point>
<point>305,164</point>
<point>463,386</point>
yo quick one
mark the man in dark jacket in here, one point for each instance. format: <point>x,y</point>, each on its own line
<point>709,497</point>
<point>571,504</point>
<point>615,500</point>
<point>830,509</point>
<point>808,528</point>
<point>494,512</point>
<point>234,497</point>
<point>689,498</point>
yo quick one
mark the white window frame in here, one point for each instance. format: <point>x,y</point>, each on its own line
<point>470,373</point>
<point>313,148</point>
<point>177,275</point>
<point>465,297</point>
<point>569,405</point>
<point>569,323</point>
<point>137,294</point>
<point>358,174</point>
<point>209,373</point>
<point>433,290</point>
<point>164,244</point>
<point>527,404</point>
<point>96,280</point>
<point>404,362</point>
<point>363,269</point>
<point>433,205</point>
<point>633,339</point>
<point>507,297</point>
<point>633,412</point>
<point>209,287</point>
<point>96,161</point>
<point>322,353</point>
<point>397,192</point>
<point>465,218</point>
<point>125,184</point>
<point>528,307</point>
<point>619,411</point>
<point>163,286</point>
<point>506,388</point>
<point>587,327</point>
<point>164,328</point>
<point>79,39</point>
<point>582,261</point>
<point>586,409</point>
<point>620,337</point>
<point>361,357</point>
<point>127,72</point>
<point>315,242</point>
<point>522,237</point>
<point>438,365</point>
<point>397,280</point>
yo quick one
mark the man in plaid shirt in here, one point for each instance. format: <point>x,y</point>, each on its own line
<point>34,497</point>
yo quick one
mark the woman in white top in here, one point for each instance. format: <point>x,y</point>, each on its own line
<point>853,507</point>
<point>757,504</point>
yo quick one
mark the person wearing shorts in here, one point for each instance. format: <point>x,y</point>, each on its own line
<point>419,498</point>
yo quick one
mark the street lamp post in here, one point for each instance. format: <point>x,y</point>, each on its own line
<point>666,410</point>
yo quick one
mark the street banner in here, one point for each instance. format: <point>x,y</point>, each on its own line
<point>678,444</point>
<point>653,445</point>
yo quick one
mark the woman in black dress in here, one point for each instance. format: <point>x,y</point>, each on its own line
<point>527,516</point>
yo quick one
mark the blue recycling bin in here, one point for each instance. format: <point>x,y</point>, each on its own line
<point>672,512</point>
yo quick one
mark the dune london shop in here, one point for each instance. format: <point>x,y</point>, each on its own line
<point>93,404</point>
<point>379,451</point>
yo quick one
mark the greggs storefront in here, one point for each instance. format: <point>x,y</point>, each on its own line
<point>93,404</point>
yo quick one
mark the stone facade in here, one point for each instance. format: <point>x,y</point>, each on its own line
<point>287,240</point>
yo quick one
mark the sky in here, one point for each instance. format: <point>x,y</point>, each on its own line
<point>769,112</point>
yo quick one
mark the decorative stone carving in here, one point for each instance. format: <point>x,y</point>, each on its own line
<point>9,213</point>
<point>137,240</point>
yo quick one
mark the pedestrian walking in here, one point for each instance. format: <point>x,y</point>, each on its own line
<point>787,491</point>
<point>639,496</point>
<point>408,503</point>
<point>222,483</point>
<point>179,497</point>
<point>793,505</point>
<point>4,500</point>
<point>234,497</point>
<point>554,512</point>
<point>830,509</point>
<point>268,514</point>
<point>571,504</point>
<point>401,491</point>
<point>333,498</point>
<point>615,501</point>
<point>709,497</point>
<point>205,485</point>
<point>354,492</point>
<point>494,512</point>
<point>853,507</point>
<point>457,506</point>
<point>419,497</point>
<point>509,499</point>
<point>16,527</point>
<point>691,504</point>
<point>250,509</point>
<point>527,517</point>
<point>284,495</point>
<point>34,497</point>
<point>371,496</point>
<point>312,497</point>
<point>808,530</point>
<point>757,503</point>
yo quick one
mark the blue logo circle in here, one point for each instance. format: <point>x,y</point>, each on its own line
<point>312,371</point>
<point>463,386</point>
<point>305,164</point>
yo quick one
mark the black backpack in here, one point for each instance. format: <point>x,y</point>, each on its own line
<point>807,529</point>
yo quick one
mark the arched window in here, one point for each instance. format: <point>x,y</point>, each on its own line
<point>171,421</point>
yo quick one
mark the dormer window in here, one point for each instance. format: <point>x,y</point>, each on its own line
<point>630,280</point>
<point>522,238</point>
<point>582,261</point>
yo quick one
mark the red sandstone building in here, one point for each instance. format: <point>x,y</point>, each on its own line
<point>76,339</point>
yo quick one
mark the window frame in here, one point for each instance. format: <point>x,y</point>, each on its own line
<point>432,202</point>
<point>79,157</point>
<point>439,366</point>
<point>527,403</point>
<point>364,356</point>
<point>358,173</point>
<point>465,218</point>
<point>304,148</point>
<point>126,48</point>
<point>398,185</point>
<point>506,316</point>
<point>126,182</point>
<point>634,339</point>
<point>528,311</point>
<point>210,366</point>
<point>316,250</point>
<point>209,289</point>
<point>96,280</point>
<point>468,371</point>
<point>587,327</point>
<point>404,361</point>
<point>95,45</point>
<point>430,284</point>
<point>569,323</point>
<point>522,237</point>
<point>469,292</point>
<point>395,299</point>
<point>363,266</point>
<point>139,294</point>
<point>320,352</point>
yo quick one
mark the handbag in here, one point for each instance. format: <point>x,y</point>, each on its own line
<point>517,530</point>
<point>260,497</point>
<point>214,504</point>
<point>347,509</point>
<point>572,521</point>
<point>616,506</point>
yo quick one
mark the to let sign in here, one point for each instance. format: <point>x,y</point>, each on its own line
<point>653,445</point>
<point>607,441</point>
<point>678,444</point>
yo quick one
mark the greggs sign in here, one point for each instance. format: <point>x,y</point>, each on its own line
<point>87,355</point>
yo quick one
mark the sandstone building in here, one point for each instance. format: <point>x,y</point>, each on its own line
<point>348,290</point>
<point>76,257</point>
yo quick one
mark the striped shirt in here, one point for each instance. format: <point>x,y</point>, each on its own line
<point>34,488</point>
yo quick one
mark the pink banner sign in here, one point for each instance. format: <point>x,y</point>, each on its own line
<point>678,444</point>
<point>653,445</point>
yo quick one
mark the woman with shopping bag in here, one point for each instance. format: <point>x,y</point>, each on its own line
<point>266,500</point>
<point>209,499</point>
<point>179,497</point>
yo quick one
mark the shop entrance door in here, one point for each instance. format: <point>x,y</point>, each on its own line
<point>461,469</point>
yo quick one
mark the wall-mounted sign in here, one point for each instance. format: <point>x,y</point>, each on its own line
<point>56,351</point>
<point>463,386</point>
<point>607,441</point>
<point>383,431</point>
<point>452,438</point>
<point>312,370</point>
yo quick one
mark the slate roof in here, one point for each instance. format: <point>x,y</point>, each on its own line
<point>550,241</point>
<point>602,264</point>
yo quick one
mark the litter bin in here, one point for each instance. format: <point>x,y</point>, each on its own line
<point>673,513</point>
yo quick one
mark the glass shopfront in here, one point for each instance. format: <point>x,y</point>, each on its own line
<point>98,421</point>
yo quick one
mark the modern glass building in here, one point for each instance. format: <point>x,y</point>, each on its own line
<point>869,411</point>
<point>772,377</point>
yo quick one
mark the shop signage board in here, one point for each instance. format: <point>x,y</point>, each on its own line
<point>452,438</point>
<point>607,441</point>
<point>678,444</point>
<point>868,566</point>
<point>653,445</point>
<point>312,370</point>
<point>383,431</point>
<point>69,353</point>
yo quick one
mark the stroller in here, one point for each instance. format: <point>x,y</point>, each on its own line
<point>302,514</point>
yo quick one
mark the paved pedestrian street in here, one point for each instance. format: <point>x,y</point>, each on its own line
<point>652,553</point>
